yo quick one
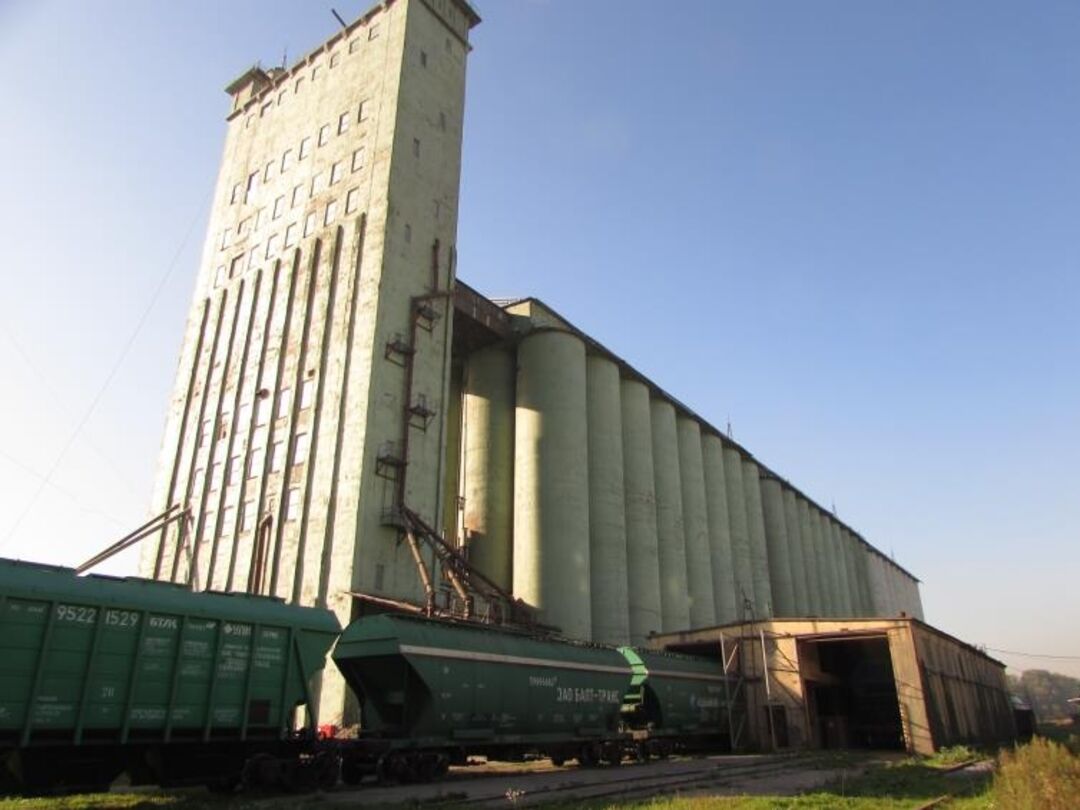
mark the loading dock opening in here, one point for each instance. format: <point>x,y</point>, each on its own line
<point>881,683</point>
<point>850,692</point>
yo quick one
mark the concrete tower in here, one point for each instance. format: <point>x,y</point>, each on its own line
<point>315,366</point>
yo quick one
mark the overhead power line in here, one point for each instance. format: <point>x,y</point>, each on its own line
<point>46,480</point>
<point>1034,655</point>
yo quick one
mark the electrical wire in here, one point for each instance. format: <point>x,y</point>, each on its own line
<point>46,480</point>
<point>1034,655</point>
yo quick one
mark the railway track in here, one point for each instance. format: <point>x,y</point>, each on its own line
<point>627,782</point>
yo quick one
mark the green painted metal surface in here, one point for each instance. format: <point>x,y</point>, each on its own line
<point>683,694</point>
<point>112,658</point>
<point>429,680</point>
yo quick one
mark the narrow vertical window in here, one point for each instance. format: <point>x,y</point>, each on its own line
<point>292,504</point>
<point>324,134</point>
<point>300,448</point>
<point>305,148</point>
<point>352,200</point>
<point>247,515</point>
<point>343,123</point>
<point>358,159</point>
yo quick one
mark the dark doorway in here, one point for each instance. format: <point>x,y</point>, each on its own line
<point>851,693</point>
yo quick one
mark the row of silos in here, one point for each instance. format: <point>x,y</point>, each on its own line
<point>616,513</point>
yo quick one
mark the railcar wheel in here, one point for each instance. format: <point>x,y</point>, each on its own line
<point>327,766</point>
<point>442,766</point>
<point>612,753</point>
<point>352,771</point>
<point>589,755</point>
<point>558,760</point>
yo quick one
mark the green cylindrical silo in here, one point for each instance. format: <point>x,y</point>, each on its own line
<point>452,482</point>
<point>759,555</point>
<point>699,575</point>
<point>674,591</point>
<point>777,544</point>
<point>814,597</point>
<point>879,587</point>
<point>551,483</point>
<point>642,555</point>
<point>864,575</point>
<point>727,608</point>
<point>796,554</point>
<point>826,576</point>
<point>851,557</point>
<point>487,462</point>
<point>832,540</point>
<point>607,505</point>
<point>740,530</point>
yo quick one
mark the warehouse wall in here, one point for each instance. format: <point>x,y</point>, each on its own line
<point>946,692</point>
<point>620,514</point>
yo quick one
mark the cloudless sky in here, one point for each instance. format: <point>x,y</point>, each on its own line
<point>850,228</point>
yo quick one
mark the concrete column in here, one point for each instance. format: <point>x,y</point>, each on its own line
<point>777,545</point>
<point>832,540</point>
<point>814,597</point>
<point>759,555</point>
<point>674,590</point>
<point>796,555</point>
<point>642,554</point>
<point>723,573</point>
<point>740,530</point>
<point>487,463</point>
<point>607,505</point>
<point>699,575</point>
<point>551,486</point>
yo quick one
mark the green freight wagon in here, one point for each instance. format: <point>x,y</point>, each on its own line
<point>433,692</point>
<point>682,700</point>
<point>100,675</point>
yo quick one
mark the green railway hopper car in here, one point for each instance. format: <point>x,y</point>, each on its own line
<point>449,690</point>
<point>99,675</point>
<point>679,697</point>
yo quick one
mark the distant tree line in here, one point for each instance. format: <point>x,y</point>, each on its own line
<point>1047,693</point>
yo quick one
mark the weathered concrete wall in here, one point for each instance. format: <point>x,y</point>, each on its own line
<point>284,393</point>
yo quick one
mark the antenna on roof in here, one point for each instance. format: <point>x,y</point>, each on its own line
<point>284,57</point>
<point>834,508</point>
<point>337,17</point>
<point>729,428</point>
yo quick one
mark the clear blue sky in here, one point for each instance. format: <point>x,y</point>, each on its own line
<point>849,227</point>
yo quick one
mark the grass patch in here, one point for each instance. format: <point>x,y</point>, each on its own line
<point>1042,775</point>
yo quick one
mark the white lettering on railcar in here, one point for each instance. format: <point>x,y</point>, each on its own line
<point>570,694</point>
<point>164,622</point>
<point>80,614</point>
